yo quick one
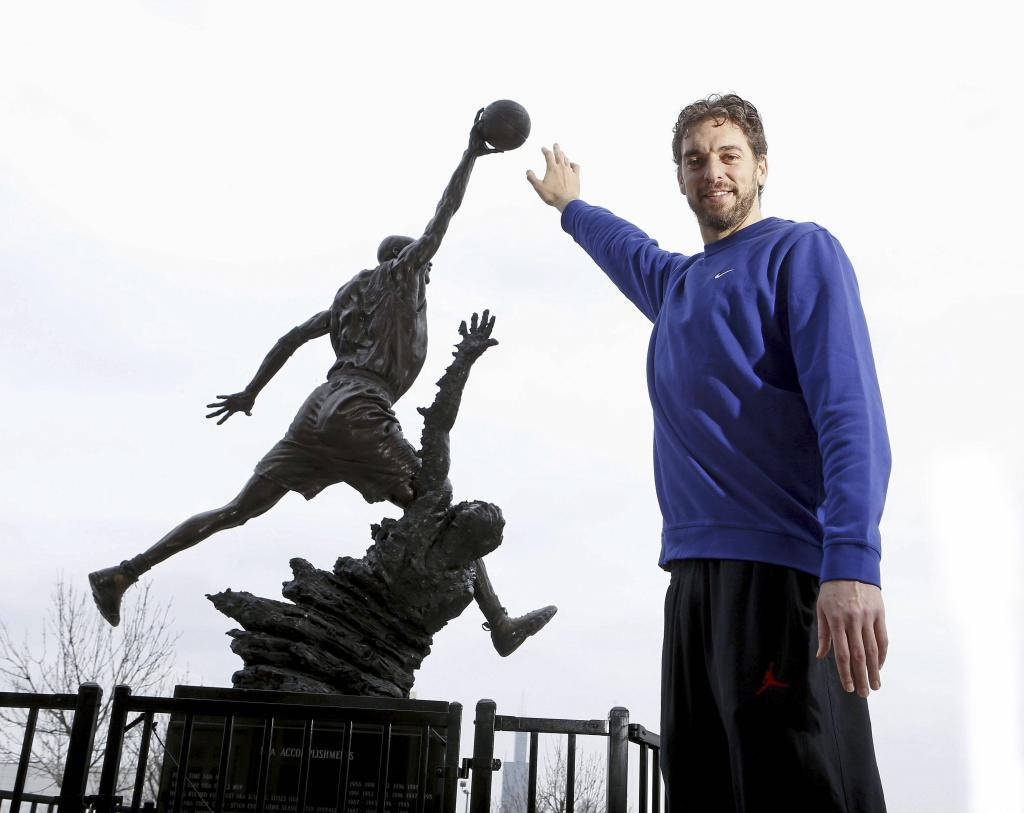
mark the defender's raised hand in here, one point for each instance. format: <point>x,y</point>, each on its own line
<point>561,181</point>
<point>239,402</point>
<point>477,337</point>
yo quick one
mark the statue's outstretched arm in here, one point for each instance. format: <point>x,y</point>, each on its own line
<point>439,417</point>
<point>243,401</point>
<point>417,253</point>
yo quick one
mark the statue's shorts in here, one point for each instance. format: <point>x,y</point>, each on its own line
<point>345,432</point>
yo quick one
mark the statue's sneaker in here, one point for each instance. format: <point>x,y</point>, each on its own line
<point>108,585</point>
<point>508,634</point>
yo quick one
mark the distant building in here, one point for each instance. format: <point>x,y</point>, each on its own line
<point>515,777</point>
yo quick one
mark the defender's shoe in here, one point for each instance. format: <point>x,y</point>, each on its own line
<point>108,585</point>
<point>508,634</point>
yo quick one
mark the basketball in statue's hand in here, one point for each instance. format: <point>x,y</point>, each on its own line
<point>505,124</point>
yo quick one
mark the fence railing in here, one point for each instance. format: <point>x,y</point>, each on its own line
<point>208,726</point>
<point>86,707</point>
<point>616,729</point>
<point>34,801</point>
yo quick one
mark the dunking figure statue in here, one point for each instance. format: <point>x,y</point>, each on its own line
<point>346,430</point>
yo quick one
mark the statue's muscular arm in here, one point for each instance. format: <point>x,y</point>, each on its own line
<point>420,251</point>
<point>312,328</point>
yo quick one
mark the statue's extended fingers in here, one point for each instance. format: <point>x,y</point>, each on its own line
<point>215,404</point>
<point>484,317</point>
<point>224,418</point>
<point>490,327</point>
<point>218,412</point>
<point>462,328</point>
<point>474,323</point>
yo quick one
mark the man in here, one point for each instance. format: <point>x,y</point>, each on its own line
<point>346,430</point>
<point>771,466</point>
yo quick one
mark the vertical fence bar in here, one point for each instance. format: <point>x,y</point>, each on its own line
<point>643,778</point>
<point>304,760</point>
<point>261,786</point>
<point>76,765</point>
<point>140,769</point>
<point>223,766</point>
<point>570,776</point>
<point>26,757</point>
<point>656,781</point>
<point>531,782</point>
<point>186,744</point>
<point>618,759</point>
<point>452,735</point>
<point>112,752</point>
<point>483,757</point>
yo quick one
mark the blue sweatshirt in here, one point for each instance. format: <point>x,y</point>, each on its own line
<point>769,437</point>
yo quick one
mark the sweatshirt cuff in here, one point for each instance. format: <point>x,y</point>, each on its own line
<point>852,561</point>
<point>568,212</point>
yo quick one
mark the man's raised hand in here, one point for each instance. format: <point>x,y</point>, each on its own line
<point>239,402</point>
<point>561,181</point>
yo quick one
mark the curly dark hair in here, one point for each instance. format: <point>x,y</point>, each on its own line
<point>721,108</point>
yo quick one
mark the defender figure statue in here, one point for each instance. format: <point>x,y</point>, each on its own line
<point>346,430</point>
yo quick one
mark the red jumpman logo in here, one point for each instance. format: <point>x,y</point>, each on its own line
<point>769,680</point>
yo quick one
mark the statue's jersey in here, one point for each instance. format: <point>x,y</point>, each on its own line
<point>379,324</point>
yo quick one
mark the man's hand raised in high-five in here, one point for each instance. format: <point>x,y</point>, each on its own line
<point>561,181</point>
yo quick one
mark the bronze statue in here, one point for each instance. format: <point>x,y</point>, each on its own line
<point>346,430</point>
<point>365,626</point>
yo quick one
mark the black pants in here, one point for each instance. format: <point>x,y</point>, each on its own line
<point>750,720</point>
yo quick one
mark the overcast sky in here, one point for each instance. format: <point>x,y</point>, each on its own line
<point>182,182</point>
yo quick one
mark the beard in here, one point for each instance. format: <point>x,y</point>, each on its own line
<point>726,219</point>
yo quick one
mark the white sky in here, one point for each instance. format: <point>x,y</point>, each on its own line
<point>182,182</point>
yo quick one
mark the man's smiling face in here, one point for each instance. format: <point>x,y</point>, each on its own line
<point>720,177</point>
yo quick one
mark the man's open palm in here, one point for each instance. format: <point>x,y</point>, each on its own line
<point>561,181</point>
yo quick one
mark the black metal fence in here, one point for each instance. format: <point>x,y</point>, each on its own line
<point>616,729</point>
<point>86,708</point>
<point>274,752</point>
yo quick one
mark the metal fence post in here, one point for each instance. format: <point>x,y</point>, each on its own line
<point>483,757</point>
<point>618,759</point>
<point>453,734</point>
<point>76,764</point>
<point>112,749</point>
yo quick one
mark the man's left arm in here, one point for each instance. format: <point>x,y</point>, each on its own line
<point>832,352</point>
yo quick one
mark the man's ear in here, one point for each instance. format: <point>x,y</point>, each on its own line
<point>679,178</point>
<point>762,171</point>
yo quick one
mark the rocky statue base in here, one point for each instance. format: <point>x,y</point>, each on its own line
<point>365,627</point>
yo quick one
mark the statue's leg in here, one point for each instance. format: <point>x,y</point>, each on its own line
<point>507,634</point>
<point>108,585</point>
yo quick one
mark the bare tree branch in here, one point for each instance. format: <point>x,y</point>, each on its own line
<point>589,784</point>
<point>77,646</point>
